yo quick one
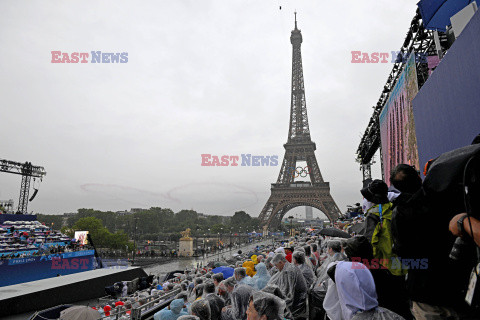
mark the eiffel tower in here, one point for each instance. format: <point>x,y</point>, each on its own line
<point>286,192</point>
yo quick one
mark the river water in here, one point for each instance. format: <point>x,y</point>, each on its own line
<point>181,264</point>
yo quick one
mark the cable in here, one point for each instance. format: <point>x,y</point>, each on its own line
<point>468,208</point>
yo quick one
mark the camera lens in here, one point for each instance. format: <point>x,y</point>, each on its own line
<point>459,248</point>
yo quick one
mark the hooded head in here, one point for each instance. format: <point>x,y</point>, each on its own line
<point>177,305</point>
<point>376,192</point>
<point>261,269</point>
<point>356,289</point>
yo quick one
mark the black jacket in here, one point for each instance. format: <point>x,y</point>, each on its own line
<point>420,231</point>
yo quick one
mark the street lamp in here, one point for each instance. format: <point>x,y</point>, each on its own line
<point>291,225</point>
<point>134,241</point>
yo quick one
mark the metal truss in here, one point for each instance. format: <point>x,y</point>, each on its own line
<point>27,171</point>
<point>418,41</point>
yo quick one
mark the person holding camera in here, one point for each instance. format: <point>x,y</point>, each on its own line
<point>420,231</point>
<point>460,227</point>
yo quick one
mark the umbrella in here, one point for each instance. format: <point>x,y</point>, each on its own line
<point>178,274</point>
<point>332,232</point>
<point>227,271</point>
<point>79,313</point>
<point>436,13</point>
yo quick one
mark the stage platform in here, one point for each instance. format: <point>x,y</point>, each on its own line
<point>45,293</point>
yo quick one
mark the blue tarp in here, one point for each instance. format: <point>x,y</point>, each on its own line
<point>436,13</point>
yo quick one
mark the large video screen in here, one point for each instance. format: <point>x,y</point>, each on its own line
<point>397,125</point>
<point>447,110</point>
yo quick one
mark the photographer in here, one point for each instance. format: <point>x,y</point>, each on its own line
<point>418,234</point>
<point>420,230</point>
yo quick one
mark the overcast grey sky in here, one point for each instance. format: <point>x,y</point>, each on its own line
<point>202,77</point>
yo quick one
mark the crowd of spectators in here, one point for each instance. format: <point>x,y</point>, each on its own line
<point>19,239</point>
<point>412,253</point>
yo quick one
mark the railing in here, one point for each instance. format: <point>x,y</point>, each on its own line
<point>154,303</point>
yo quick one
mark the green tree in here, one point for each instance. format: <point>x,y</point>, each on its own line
<point>240,219</point>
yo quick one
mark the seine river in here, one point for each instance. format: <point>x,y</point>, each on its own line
<point>182,264</point>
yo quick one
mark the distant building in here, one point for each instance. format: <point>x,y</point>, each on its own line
<point>123,213</point>
<point>308,213</point>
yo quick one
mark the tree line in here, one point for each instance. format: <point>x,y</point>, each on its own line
<point>112,230</point>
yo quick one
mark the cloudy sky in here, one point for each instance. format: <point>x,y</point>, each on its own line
<point>202,77</point>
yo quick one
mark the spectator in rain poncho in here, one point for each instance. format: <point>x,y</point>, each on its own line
<point>198,290</point>
<point>275,290</point>
<point>184,295</point>
<point>331,303</point>
<point>310,257</point>
<point>334,249</point>
<point>299,260</point>
<point>240,299</point>
<point>230,284</point>
<point>279,250</point>
<point>240,275</point>
<point>262,277</point>
<point>292,284</point>
<point>201,309</point>
<point>216,303</point>
<point>223,292</point>
<point>172,312</point>
<point>357,295</point>
<point>265,304</point>
<point>315,251</point>
<point>217,278</point>
<point>307,262</point>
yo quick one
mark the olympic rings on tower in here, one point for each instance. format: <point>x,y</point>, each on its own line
<point>298,171</point>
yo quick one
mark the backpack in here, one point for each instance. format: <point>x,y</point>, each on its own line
<point>380,219</point>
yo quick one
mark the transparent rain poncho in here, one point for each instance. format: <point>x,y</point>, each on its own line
<point>357,294</point>
<point>262,277</point>
<point>216,305</point>
<point>322,271</point>
<point>307,272</point>
<point>292,284</point>
<point>201,309</point>
<point>269,305</point>
<point>173,313</point>
<point>240,300</point>
<point>331,304</point>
